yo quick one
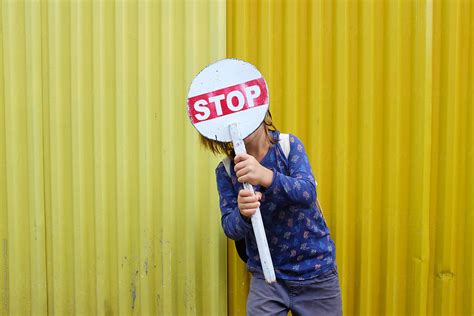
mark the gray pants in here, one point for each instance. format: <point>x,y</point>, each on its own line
<point>317,296</point>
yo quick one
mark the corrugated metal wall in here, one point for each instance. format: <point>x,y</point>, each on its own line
<point>107,202</point>
<point>382,94</point>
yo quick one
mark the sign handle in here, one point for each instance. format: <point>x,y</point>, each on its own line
<point>257,222</point>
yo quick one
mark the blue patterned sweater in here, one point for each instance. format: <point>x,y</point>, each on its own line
<point>297,234</point>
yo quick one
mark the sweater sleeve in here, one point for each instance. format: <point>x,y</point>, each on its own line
<point>234,225</point>
<point>299,187</point>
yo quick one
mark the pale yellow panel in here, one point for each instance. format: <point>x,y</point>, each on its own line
<point>381,93</point>
<point>108,203</point>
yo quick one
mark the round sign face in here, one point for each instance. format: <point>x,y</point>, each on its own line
<point>226,92</point>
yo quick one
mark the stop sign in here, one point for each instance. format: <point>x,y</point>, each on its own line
<point>226,92</point>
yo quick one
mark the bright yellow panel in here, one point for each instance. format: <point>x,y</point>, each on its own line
<point>381,93</point>
<point>107,201</point>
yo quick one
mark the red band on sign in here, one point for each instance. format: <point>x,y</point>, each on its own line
<point>233,99</point>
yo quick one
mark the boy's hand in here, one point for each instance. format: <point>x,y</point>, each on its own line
<point>249,170</point>
<point>248,202</point>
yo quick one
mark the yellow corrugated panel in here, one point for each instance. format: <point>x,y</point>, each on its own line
<point>22,223</point>
<point>382,94</point>
<point>107,201</point>
<point>108,204</point>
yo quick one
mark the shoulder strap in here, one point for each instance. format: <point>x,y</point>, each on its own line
<point>226,162</point>
<point>285,144</point>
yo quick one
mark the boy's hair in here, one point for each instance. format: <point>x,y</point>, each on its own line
<point>227,148</point>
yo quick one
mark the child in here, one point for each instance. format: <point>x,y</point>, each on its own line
<point>302,250</point>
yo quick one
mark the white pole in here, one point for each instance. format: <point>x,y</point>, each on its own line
<point>257,222</point>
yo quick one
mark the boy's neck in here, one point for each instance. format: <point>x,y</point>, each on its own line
<point>257,144</point>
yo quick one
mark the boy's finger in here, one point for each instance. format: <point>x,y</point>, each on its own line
<point>240,166</point>
<point>249,213</point>
<point>258,195</point>
<point>241,172</point>
<point>246,179</point>
<point>246,206</point>
<point>248,199</point>
<point>245,192</point>
<point>240,157</point>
